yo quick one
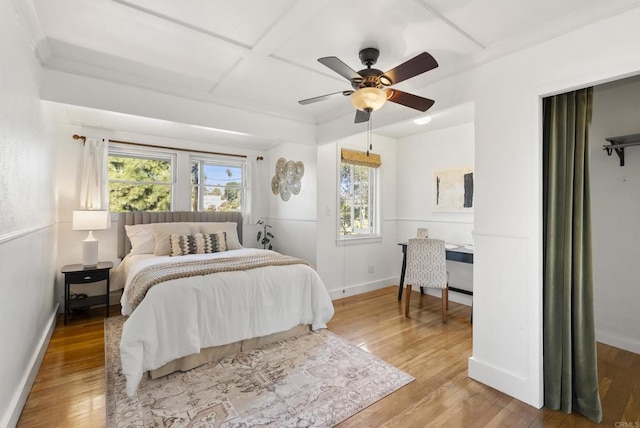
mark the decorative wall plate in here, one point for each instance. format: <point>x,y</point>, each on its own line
<point>280,168</point>
<point>286,181</point>
<point>275,185</point>
<point>285,191</point>
<point>295,186</point>
<point>290,170</point>
<point>299,170</point>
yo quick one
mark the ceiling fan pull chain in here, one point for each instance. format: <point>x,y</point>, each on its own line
<point>370,126</point>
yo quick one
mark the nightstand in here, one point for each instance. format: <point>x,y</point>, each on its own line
<point>78,274</point>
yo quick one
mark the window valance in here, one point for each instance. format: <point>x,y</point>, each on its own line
<point>355,157</point>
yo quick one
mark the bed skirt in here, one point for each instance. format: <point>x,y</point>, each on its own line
<point>217,353</point>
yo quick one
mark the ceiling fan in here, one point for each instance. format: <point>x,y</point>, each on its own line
<point>371,87</point>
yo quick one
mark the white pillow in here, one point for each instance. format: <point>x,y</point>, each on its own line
<point>233,243</point>
<point>195,227</point>
<point>162,233</point>
<point>141,238</point>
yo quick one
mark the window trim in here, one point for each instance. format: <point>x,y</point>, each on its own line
<point>228,160</point>
<point>375,236</point>
<point>121,150</point>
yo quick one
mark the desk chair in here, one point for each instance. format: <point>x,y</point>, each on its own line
<point>427,267</point>
<point>423,232</point>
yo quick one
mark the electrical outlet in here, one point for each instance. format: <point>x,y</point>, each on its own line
<point>372,268</point>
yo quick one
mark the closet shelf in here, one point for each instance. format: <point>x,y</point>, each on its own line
<point>620,143</point>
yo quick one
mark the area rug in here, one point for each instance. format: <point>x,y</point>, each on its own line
<point>314,380</point>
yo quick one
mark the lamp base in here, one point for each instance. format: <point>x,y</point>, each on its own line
<point>90,251</point>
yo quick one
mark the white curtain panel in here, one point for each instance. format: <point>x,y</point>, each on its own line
<point>254,193</point>
<point>93,186</point>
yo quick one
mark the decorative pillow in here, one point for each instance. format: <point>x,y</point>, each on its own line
<point>141,238</point>
<point>162,233</point>
<point>214,242</point>
<point>181,245</point>
<point>231,229</point>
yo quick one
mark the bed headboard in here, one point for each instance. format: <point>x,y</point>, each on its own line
<point>144,217</point>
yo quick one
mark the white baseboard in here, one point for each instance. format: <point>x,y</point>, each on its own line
<point>611,339</point>
<point>352,290</point>
<point>375,285</point>
<point>496,378</point>
<point>29,377</point>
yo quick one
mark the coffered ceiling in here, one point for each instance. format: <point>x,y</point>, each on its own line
<point>261,56</point>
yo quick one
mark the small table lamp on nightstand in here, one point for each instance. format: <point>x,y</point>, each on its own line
<point>90,220</point>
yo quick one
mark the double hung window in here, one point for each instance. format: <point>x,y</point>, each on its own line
<point>139,180</point>
<point>217,185</point>
<point>357,192</point>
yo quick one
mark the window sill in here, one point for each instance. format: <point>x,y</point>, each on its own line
<point>357,240</point>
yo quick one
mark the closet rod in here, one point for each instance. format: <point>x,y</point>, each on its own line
<point>619,143</point>
<point>83,138</point>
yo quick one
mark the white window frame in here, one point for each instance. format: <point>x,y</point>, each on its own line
<point>224,161</point>
<point>373,235</point>
<point>134,152</point>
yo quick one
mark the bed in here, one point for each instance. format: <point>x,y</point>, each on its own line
<point>185,306</point>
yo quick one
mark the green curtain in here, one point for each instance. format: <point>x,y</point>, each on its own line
<point>570,361</point>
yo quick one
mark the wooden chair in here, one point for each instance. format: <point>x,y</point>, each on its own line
<point>427,267</point>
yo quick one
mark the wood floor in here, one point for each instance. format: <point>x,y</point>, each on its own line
<point>70,386</point>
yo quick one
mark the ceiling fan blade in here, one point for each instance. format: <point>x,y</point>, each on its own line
<point>324,97</point>
<point>339,67</point>
<point>362,116</point>
<point>409,100</point>
<point>408,69</point>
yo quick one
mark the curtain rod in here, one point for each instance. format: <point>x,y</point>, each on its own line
<point>83,138</point>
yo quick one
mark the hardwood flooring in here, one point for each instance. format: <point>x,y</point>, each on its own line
<point>69,390</point>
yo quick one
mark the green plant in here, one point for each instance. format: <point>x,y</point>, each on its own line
<point>264,235</point>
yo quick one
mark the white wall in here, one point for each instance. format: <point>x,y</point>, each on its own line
<point>294,221</point>
<point>27,222</point>
<point>507,331</point>
<point>345,268</point>
<point>418,157</point>
<point>615,213</point>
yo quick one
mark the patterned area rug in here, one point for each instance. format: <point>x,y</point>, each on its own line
<point>314,380</point>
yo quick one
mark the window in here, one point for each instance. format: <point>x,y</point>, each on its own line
<point>357,199</point>
<point>217,185</point>
<point>139,181</point>
<point>158,178</point>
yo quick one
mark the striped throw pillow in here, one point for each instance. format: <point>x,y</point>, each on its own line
<point>199,243</point>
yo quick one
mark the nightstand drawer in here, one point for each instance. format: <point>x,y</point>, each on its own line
<point>86,277</point>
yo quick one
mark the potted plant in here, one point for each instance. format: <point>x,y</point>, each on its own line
<point>265,236</point>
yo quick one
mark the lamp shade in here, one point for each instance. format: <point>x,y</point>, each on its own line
<point>91,220</point>
<point>368,99</point>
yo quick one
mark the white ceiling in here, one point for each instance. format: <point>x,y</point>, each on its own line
<point>262,55</point>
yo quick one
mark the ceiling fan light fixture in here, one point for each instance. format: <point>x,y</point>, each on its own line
<point>385,80</point>
<point>368,99</point>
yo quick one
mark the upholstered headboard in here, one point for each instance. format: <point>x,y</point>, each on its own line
<point>131,218</point>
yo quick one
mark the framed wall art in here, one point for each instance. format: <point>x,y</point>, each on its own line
<point>453,189</point>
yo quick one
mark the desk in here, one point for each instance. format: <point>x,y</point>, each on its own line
<point>458,254</point>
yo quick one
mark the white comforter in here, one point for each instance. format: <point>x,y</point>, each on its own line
<point>182,316</point>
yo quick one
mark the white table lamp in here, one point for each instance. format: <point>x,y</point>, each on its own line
<point>90,220</point>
